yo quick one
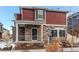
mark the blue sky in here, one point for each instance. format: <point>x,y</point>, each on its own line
<point>7,13</point>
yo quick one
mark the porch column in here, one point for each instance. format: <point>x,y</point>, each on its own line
<point>58,33</point>
<point>42,33</point>
<point>16,32</point>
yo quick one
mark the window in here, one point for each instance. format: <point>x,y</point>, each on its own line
<point>40,14</point>
<point>77,17</point>
<point>0,28</point>
<point>21,33</point>
<point>62,33</point>
<point>21,30</point>
<point>70,22</point>
<point>54,33</point>
<point>34,34</point>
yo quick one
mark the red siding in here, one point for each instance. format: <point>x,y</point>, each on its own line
<point>18,16</point>
<point>28,14</point>
<point>53,17</point>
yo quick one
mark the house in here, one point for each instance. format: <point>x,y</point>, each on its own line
<point>36,25</point>
<point>1,25</point>
<point>6,35</point>
<point>73,21</point>
<point>73,26</point>
<point>3,30</point>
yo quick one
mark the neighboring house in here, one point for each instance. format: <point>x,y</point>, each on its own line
<point>73,22</point>
<point>5,34</point>
<point>35,25</point>
<point>1,28</point>
<point>73,26</point>
<point>14,33</point>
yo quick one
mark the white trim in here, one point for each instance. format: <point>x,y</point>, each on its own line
<point>42,33</point>
<point>22,13</point>
<point>37,34</point>
<point>29,22</point>
<point>16,32</point>
<point>67,19</point>
<point>45,17</point>
<point>54,25</point>
<point>67,23</point>
<point>57,28</point>
<point>30,42</point>
<point>36,22</point>
<point>35,14</point>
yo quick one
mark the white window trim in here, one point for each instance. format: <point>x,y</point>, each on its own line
<point>65,33</point>
<point>58,31</point>
<point>37,38</point>
<point>37,14</point>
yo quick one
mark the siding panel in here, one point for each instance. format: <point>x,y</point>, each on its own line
<point>18,16</point>
<point>28,14</point>
<point>56,18</point>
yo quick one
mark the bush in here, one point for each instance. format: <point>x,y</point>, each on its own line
<point>55,46</point>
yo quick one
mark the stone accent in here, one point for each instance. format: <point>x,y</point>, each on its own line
<point>45,34</point>
<point>28,33</point>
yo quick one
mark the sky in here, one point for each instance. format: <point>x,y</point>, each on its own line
<point>7,13</point>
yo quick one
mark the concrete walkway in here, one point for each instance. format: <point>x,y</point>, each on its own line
<point>76,49</point>
<point>31,50</point>
<point>37,50</point>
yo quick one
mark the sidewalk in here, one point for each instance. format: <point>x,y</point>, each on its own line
<point>76,49</point>
<point>31,50</point>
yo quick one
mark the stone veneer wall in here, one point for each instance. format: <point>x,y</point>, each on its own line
<point>45,34</point>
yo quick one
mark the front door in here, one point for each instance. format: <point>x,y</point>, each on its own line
<point>34,34</point>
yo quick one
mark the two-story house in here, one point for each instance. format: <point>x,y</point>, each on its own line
<point>73,21</point>
<point>73,26</point>
<point>35,25</point>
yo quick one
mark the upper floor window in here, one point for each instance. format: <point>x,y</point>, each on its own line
<point>40,14</point>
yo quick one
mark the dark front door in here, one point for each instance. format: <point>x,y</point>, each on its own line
<point>34,34</point>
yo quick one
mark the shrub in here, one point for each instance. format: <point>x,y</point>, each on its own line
<point>55,46</point>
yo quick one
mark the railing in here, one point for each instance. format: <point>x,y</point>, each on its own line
<point>29,37</point>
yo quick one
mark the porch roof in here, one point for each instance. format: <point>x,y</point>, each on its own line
<point>28,22</point>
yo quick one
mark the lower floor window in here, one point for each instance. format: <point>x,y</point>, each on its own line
<point>61,33</point>
<point>54,33</point>
<point>21,32</point>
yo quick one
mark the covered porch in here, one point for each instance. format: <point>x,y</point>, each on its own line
<point>29,33</point>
